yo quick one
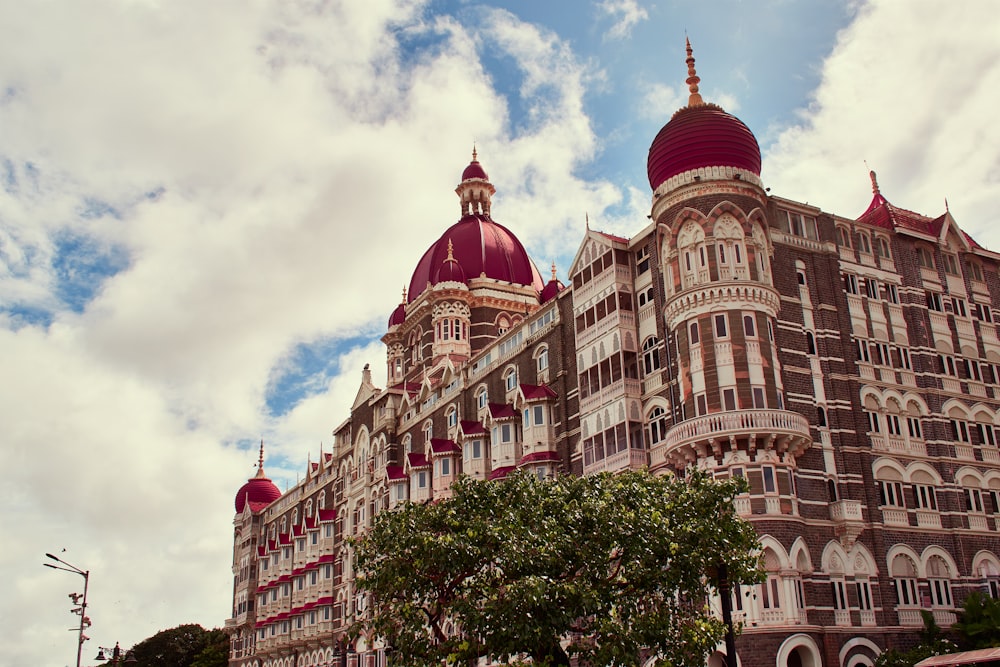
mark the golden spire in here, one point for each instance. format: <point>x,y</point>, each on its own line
<point>875,190</point>
<point>260,460</point>
<point>404,294</point>
<point>475,156</point>
<point>451,253</point>
<point>692,81</point>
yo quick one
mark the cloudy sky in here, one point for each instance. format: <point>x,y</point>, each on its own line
<point>208,211</point>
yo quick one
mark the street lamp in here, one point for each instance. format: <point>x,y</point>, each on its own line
<point>117,658</point>
<point>76,598</point>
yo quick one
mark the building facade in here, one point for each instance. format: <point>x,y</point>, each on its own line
<point>847,367</point>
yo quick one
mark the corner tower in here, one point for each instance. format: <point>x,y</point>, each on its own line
<point>719,303</point>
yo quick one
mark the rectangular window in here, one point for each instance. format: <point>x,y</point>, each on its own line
<point>694,332</point>
<point>701,407</point>
<point>749,326</point>
<point>934,302</point>
<point>973,500</point>
<point>906,592</point>
<point>721,328</point>
<point>506,433</point>
<point>851,283</point>
<point>891,494</point>
<point>891,293</point>
<point>950,264</point>
<point>986,433</point>
<point>940,590</point>
<point>769,486</point>
<point>874,423</point>
<point>892,424</point>
<point>871,288</point>
<point>445,467</point>
<point>924,496</point>
<point>729,399</point>
<point>863,353</point>
<point>958,307</point>
<point>758,398</point>
<point>422,480</point>
<point>864,590</point>
<point>839,589</point>
<point>539,415</point>
<point>913,424</point>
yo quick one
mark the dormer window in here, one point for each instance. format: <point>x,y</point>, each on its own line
<point>950,264</point>
<point>925,258</point>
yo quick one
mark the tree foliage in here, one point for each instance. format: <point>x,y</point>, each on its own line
<point>932,642</point>
<point>978,623</point>
<point>598,568</point>
<point>188,645</point>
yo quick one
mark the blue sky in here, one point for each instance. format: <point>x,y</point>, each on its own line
<point>208,211</point>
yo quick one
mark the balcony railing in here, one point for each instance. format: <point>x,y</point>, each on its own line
<point>780,430</point>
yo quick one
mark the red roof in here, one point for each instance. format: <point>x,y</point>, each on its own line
<point>533,392</point>
<point>440,446</point>
<point>880,213</point>
<point>417,460</point>
<point>701,136</point>
<point>500,473</point>
<point>502,410</point>
<point>395,473</point>
<point>327,514</point>
<point>538,457</point>
<point>550,290</point>
<point>471,428</point>
<point>612,237</point>
<point>477,246</point>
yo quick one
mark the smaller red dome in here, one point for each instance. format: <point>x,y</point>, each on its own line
<point>474,170</point>
<point>259,492</point>
<point>398,315</point>
<point>450,271</point>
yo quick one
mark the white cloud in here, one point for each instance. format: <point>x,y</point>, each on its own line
<point>273,167</point>
<point>915,101</point>
<point>625,13</point>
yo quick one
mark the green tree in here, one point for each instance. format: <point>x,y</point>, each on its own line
<point>179,647</point>
<point>599,568</point>
<point>978,623</point>
<point>932,642</point>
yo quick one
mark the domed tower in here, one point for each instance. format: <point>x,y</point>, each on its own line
<point>251,500</point>
<point>720,306</point>
<point>468,288</point>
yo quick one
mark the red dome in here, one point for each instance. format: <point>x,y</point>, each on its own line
<point>474,170</point>
<point>398,316</point>
<point>701,136</point>
<point>478,246</point>
<point>259,492</point>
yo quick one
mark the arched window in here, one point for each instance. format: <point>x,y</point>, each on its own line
<point>428,431</point>
<point>482,398</point>
<point>844,237</point>
<point>810,343</point>
<point>864,243</point>
<point>882,247</point>
<point>503,325</point>
<point>452,416</point>
<point>542,358</point>
<point>820,415</point>
<point>650,355</point>
<point>939,581</point>
<point>904,575</point>
<point>510,379</point>
<point>657,425</point>
<point>925,258</point>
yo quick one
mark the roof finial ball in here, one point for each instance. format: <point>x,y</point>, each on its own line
<point>692,81</point>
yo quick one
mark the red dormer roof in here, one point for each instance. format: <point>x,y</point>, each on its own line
<point>612,237</point>
<point>440,446</point>
<point>298,531</point>
<point>395,473</point>
<point>417,460</point>
<point>502,410</point>
<point>880,213</point>
<point>327,514</point>
<point>500,473</point>
<point>536,392</point>
<point>539,457</point>
<point>471,428</point>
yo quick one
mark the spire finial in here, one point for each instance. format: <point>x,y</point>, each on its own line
<point>404,295</point>
<point>260,460</point>
<point>586,217</point>
<point>553,270</point>
<point>946,209</point>
<point>451,252</point>
<point>692,81</point>
<point>475,156</point>
<point>875,190</point>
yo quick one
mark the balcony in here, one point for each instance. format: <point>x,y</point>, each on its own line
<point>696,438</point>
<point>976,522</point>
<point>849,521</point>
<point>928,519</point>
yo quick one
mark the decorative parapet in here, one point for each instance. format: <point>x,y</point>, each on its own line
<point>696,438</point>
<point>736,294</point>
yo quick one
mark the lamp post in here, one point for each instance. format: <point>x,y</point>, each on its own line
<point>76,598</point>
<point>727,614</point>
<point>117,657</point>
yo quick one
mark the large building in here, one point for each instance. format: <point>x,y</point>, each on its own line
<point>847,367</point>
